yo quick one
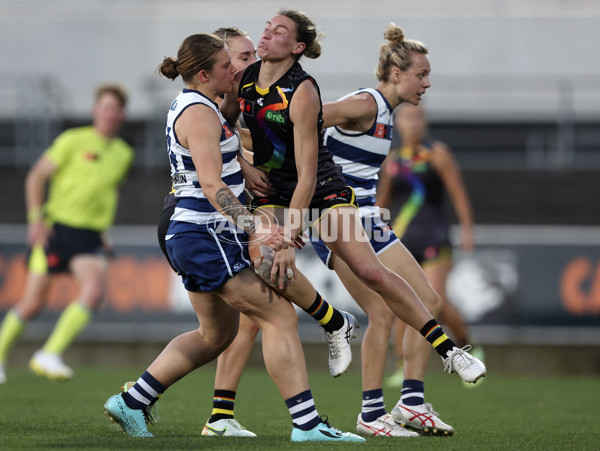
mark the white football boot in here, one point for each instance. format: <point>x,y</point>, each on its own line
<point>227,427</point>
<point>459,361</point>
<point>384,426</point>
<point>50,365</point>
<point>340,352</point>
<point>421,418</point>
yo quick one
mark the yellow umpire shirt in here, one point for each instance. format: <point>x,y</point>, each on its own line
<point>83,191</point>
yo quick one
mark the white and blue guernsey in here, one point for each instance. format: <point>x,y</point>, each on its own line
<point>360,154</point>
<point>205,249</point>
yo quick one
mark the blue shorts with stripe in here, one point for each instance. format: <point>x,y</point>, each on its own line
<point>380,234</point>
<point>206,256</point>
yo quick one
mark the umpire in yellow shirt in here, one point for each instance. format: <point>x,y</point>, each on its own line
<point>82,169</point>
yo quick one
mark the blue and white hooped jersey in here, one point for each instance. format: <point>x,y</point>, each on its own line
<point>360,154</point>
<point>192,205</point>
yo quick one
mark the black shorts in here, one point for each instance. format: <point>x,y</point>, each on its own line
<point>319,204</point>
<point>163,224</point>
<point>429,244</point>
<point>66,242</point>
<point>432,253</point>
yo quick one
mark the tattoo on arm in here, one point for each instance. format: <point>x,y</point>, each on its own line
<point>232,207</point>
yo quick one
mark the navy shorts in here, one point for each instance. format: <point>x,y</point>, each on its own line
<point>207,256</point>
<point>66,242</point>
<point>380,235</point>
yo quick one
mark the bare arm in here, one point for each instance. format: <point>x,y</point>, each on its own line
<point>35,194</point>
<point>304,113</point>
<point>36,181</point>
<point>352,113</point>
<point>246,138</point>
<point>203,142</point>
<point>448,170</point>
<point>230,107</point>
<point>257,182</point>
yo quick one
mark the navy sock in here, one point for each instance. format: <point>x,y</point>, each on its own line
<point>413,392</point>
<point>303,410</point>
<point>144,393</point>
<point>372,405</point>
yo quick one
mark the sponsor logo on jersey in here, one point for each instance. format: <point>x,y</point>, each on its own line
<point>227,131</point>
<point>247,107</point>
<point>275,116</point>
<point>260,101</point>
<point>342,196</point>
<point>381,131</point>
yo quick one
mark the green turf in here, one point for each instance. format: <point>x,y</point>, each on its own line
<point>505,413</point>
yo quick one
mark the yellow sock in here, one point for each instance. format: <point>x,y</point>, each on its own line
<point>11,330</point>
<point>72,321</point>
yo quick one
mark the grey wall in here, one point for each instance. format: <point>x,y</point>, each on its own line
<point>491,59</point>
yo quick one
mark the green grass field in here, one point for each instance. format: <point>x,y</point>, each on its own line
<point>505,413</point>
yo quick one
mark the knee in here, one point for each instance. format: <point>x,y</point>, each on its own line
<point>92,295</point>
<point>432,302</point>
<point>381,317</point>
<point>218,340</point>
<point>248,327</point>
<point>373,276</point>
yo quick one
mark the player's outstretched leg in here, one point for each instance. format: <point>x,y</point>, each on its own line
<point>337,326</point>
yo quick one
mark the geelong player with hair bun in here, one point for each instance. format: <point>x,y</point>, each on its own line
<point>210,253</point>
<point>231,362</point>
<point>359,136</point>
